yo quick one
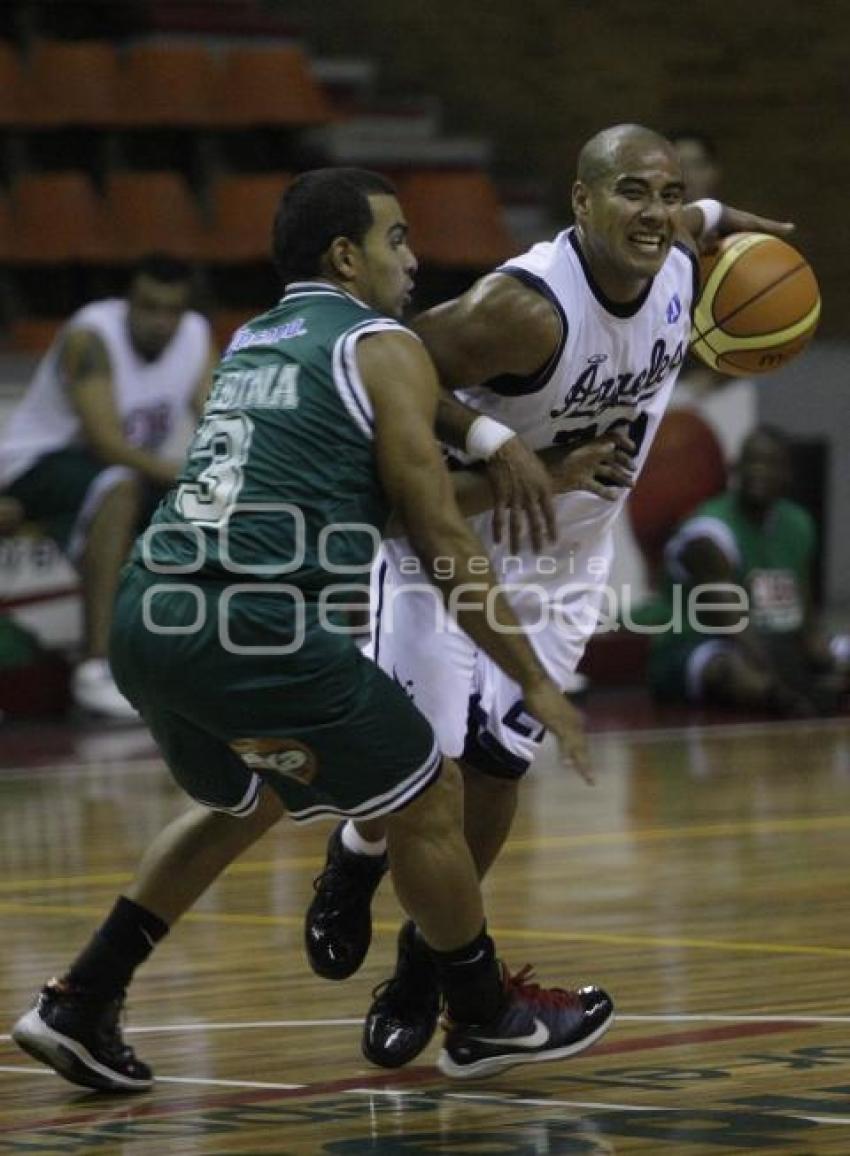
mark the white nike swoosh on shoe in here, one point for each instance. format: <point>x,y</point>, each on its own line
<point>466,962</point>
<point>535,1039</point>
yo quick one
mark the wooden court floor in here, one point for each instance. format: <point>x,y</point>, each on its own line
<point>704,881</point>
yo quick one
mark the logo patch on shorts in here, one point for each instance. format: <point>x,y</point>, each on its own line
<point>286,757</point>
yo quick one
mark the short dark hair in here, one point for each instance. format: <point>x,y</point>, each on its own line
<point>318,207</point>
<point>163,267</point>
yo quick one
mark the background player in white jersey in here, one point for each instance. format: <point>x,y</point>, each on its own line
<point>87,451</point>
<point>577,341</point>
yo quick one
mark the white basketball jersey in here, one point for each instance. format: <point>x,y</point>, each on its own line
<point>151,397</point>
<point>615,365</point>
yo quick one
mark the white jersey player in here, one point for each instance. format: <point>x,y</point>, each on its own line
<point>151,397</point>
<point>99,435</point>
<point>614,368</point>
<point>578,342</point>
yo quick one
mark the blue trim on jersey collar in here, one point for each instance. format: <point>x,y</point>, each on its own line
<point>319,289</point>
<point>616,308</point>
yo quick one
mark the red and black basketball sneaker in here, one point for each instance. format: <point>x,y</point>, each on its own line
<point>534,1025</point>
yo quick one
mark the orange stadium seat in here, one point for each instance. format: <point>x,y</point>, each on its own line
<point>5,227</point>
<point>33,334</point>
<point>225,322</point>
<point>71,83</point>
<point>11,86</point>
<point>166,83</point>
<point>56,218</point>
<point>152,212</point>
<point>268,86</point>
<point>455,218</point>
<point>243,209</point>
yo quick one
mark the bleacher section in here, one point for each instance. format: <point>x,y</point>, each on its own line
<point>176,129</point>
<point>141,126</point>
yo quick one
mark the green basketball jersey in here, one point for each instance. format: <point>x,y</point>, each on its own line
<point>281,481</point>
<point>771,560</point>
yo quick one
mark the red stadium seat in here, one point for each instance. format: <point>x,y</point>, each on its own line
<point>57,218</point>
<point>167,83</point>
<point>33,334</point>
<point>11,87</point>
<point>5,228</point>
<point>268,86</point>
<point>152,211</point>
<point>225,322</point>
<point>71,83</point>
<point>685,466</point>
<point>455,218</point>
<point>243,209</point>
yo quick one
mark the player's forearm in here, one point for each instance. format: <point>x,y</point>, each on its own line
<point>473,487</point>
<point>116,453</point>
<point>453,421</point>
<point>473,494</point>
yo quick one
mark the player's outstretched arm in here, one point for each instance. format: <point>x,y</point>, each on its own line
<point>704,220</point>
<point>403,388</point>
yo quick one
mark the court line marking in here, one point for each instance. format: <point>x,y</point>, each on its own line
<point>593,1105</point>
<point>485,1097</point>
<point>695,831</point>
<point>816,823</point>
<point>95,766</point>
<point>356,1021</point>
<point>360,1089</point>
<point>146,763</point>
<point>723,730</point>
<point>519,935</point>
<point>257,1092</point>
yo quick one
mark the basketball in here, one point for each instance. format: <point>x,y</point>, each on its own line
<point>759,305</point>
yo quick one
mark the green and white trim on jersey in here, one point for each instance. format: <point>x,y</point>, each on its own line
<point>246,805</point>
<point>399,796</point>
<point>347,379</point>
<point>346,374</point>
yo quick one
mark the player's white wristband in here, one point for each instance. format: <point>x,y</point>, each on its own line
<point>485,436</point>
<point>711,212</point>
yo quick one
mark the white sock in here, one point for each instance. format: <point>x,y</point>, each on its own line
<point>353,841</point>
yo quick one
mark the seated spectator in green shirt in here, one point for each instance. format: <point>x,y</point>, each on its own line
<point>736,598</point>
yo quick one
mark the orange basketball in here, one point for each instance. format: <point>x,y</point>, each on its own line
<point>759,305</point>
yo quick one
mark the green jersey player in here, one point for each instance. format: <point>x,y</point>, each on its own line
<point>228,638</point>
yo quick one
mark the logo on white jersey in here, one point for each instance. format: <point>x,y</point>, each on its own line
<point>590,393</point>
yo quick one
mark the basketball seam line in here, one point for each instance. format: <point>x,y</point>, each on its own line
<point>720,322</point>
<point>697,335</point>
